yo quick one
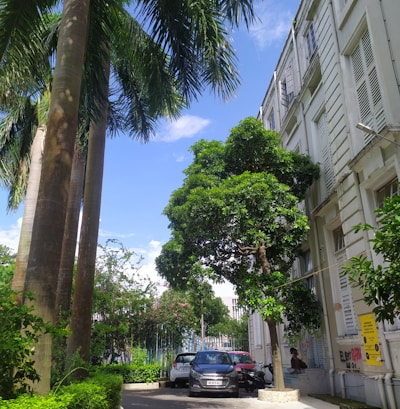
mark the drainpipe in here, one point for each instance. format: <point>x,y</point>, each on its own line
<point>381,390</point>
<point>342,383</point>
<point>324,309</point>
<point>389,390</point>
<point>389,366</point>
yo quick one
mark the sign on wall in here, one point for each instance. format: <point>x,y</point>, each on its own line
<point>371,340</point>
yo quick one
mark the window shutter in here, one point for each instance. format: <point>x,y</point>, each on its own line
<point>367,86</point>
<point>347,299</point>
<point>327,163</point>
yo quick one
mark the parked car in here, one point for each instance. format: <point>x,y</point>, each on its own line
<point>180,368</point>
<point>213,372</point>
<point>242,359</point>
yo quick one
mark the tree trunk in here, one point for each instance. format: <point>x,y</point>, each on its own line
<point>79,341</point>
<point>65,275</point>
<point>51,209</point>
<point>32,190</point>
<point>279,382</point>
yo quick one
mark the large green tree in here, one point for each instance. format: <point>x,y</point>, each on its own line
<point>236,216</point>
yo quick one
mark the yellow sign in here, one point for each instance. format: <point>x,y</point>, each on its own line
<point>371,340</point>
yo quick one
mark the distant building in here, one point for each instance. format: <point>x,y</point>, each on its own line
<point>235,311</point>
<point>339,67</point>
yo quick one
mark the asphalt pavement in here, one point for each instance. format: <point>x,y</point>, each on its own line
<point>177,398</point>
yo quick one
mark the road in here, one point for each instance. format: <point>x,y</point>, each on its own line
<point>177,398</point>
<point>167,398</point>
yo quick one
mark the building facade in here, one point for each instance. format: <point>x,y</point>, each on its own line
<point>339,70</point>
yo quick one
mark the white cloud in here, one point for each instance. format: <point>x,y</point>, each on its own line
<point>274,25</point>
<point>10,237</point>
<point>186,126</point>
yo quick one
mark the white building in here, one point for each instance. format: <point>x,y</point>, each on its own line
<point>340,66</point>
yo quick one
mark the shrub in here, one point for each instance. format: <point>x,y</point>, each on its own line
<point>98,392</point>
<point>37,402</point>
<point>20,330</point>
<point>134,373</point>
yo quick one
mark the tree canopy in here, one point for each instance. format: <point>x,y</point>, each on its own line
<point>237,215</point>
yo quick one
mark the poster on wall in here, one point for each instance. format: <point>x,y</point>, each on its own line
<point>371,340</point>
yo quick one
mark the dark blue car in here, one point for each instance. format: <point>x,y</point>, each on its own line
<point>213,372</point>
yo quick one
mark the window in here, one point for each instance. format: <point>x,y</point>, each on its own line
<point>348,320</point>
<point>326,162</point>
<point>306,263</point>
<point>311,41</point>
<point>389,190</point>
<point>271,121</point>
<point>367,86</point>
<point>338,238</point>
<point>287,87</point>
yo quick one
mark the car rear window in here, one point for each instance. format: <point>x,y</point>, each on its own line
<point>185,358</point>
<point>241,358</point>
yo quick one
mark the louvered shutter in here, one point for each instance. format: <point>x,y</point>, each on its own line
<point>347,299</point>
<point>367,86</point>
<point>327,164</point>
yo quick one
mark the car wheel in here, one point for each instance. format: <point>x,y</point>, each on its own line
<point>236,394</point>
<point>172,384</point>
<point>191,394</point>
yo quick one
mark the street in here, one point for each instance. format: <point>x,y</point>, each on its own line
<point>177,398</point>
<point>173,398</point>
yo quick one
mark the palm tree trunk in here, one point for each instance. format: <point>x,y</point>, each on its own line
<point>51,208</point>
<point>32,190</point>
<point>79,341</point>
<point>65,275</point>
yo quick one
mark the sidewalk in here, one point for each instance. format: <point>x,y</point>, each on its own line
<point>305,402</point>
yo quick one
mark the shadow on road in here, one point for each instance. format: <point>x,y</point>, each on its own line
<point>177,398</point>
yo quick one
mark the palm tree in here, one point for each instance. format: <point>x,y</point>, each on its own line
<point>51,207</point>
<point>83,293</point>
<point>199,55</point>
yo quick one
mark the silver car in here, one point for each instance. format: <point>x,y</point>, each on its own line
<point>213,372</point>
<point>179,372</point>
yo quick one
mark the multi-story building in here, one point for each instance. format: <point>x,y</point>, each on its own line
<point>339,68</point>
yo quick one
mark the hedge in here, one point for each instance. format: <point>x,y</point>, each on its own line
<point>100,391</point>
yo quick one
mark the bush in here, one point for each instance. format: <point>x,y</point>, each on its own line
<point>98,392</point>
<point>37,402</point>
<point>134,373</point>
<point>20,330</point>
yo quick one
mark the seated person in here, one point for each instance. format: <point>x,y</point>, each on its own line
<point>296,362</point>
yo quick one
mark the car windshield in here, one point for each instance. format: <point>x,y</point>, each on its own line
<point>241,358</point>
<point>213,358</point>
<point>184,359</point>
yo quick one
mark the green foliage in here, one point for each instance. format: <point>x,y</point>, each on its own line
<point>122,303</point>
<point>133,373</point>
<point>85,395</point>
<point>379,283</point>
<point>38,402</point>
<point>237,215</point>
<point>296,297</point>
<point>101,391</point>
<point>20,330</point>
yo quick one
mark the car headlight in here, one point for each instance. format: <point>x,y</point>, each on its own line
<point>195,374</point>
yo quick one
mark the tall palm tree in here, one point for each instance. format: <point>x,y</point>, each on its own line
<point>194,36</point>
<point>51,207</point>
<point>83,293</point>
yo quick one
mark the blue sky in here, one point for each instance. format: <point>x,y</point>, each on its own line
<point>139,178</point>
